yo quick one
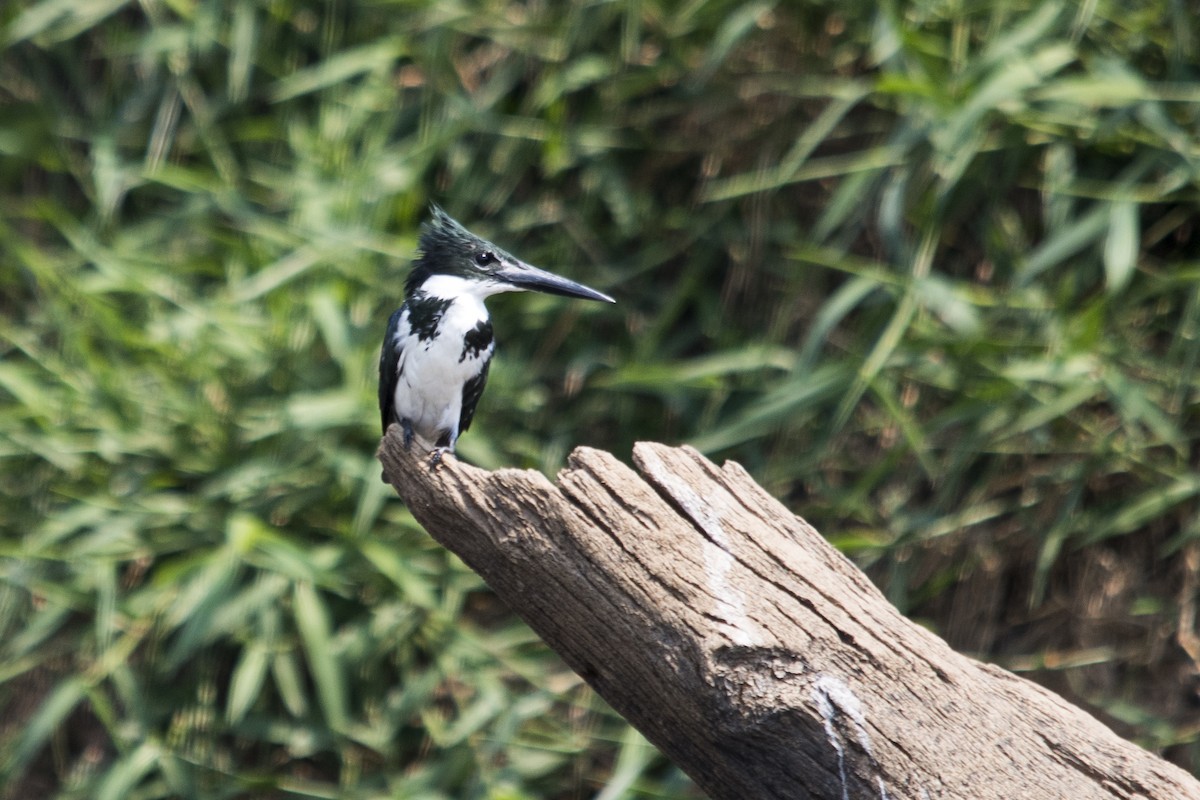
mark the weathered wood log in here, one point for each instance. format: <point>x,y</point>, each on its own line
<point>750,651</point>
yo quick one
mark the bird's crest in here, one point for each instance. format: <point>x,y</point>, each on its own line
<point>446,248</point>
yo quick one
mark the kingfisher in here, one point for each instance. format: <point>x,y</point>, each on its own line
<point>438,345</point>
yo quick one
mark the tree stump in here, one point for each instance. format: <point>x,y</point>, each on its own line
<point>751,652</point>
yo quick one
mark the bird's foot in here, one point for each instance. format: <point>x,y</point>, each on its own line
<point>407,426</point>
<point>435,457</point>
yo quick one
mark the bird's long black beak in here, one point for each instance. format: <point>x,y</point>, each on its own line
<point>523,276</point>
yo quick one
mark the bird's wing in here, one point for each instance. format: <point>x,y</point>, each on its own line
<point>472,391</point>
<point>389,370</point>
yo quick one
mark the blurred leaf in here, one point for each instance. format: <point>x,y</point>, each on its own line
<point>58,703</point>
<point>1068,241</point>
<point>286,672</point>
<point>703,372</point>
<point>635,757</point>
<point>312,620</point>
<point>59,19</point>
<point>129,769</point>
<point>1121,245</point>
<point>248,679</point>
<point>1151,505</point>
<point>412,587</point>
<point>339,68</point>
<point>731,31</point>
<point>199,609</point>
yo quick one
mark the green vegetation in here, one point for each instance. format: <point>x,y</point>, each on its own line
<point>931,271</point>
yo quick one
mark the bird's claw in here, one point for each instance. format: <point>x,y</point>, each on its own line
<point>435,457</point>
<point>407,426</point>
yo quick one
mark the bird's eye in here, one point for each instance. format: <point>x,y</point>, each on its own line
<point>485,257</point>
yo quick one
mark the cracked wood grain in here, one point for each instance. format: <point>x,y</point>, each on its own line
<point>750,651</point>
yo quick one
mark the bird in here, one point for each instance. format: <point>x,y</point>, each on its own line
<point>438,347</point>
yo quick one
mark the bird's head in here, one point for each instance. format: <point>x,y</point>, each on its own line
<point>453,261</point>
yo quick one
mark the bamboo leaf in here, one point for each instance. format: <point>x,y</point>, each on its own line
<point>247,682</point>
<point>339,68</point>
<point>128,771</point>
<point>1121,245</point>
<point>50,714</point>
<point>312,620</point>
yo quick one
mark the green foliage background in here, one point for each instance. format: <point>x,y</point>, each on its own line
<point>930,270</point>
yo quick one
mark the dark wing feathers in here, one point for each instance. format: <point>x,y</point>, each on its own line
<point>472,391</point>
<point>389,360</point>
